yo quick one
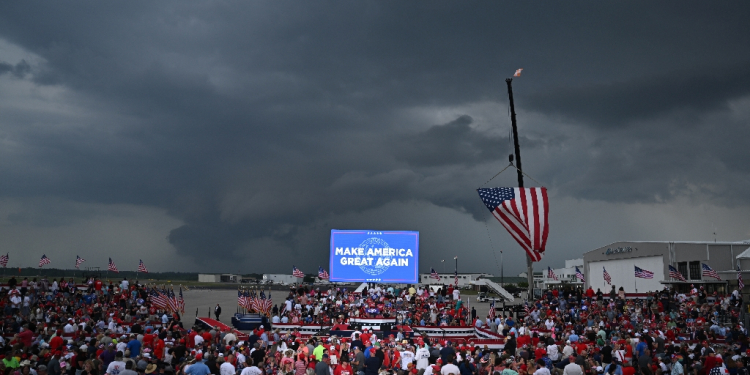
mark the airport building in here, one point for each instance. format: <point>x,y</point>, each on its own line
<point>218,278</point>
<point>280,279</point>
<point>620,260</point>
<point>566,276</point>
<point>464,279</point>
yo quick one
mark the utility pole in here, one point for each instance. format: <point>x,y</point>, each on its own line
<point>529,263</point>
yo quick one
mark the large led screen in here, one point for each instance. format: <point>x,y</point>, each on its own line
<point>374,256</point>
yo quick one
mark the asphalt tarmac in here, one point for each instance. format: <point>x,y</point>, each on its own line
<point>203,301</point>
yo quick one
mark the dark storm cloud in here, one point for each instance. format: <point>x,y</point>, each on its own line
<point>449,144</point>
<point>20,70</point>
<point>252,122</point>
<point>704,88</point>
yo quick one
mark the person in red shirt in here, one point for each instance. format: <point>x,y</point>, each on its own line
<point>159,349</point>
<point>25,336</point>
<point>344,368</point>
<point>98,286</point>
<point>56,342</point>
<point>365,337</point>
<point>581,347</point>
<point>191,339</point>
<point>148,338</point>
<point>540,351</point>
<point>207,338</point>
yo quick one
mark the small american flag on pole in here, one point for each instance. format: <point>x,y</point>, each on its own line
<point>643,274</point>
<point>434,274</point>
<point>607,278</point>
<point>708,271</point>
<point>740,284</point>
<point>518,72</point>
<point>112,266</point>
<point>523,213</point>
<point>675,274</point>
<point>44,260</point>
<point>296,272</point>
<point>141,266</point>
<point>322,274</point>
<point>181,302</point>
<point>455,278</point>
<point>579,275</point>
<point>551,274</point>
<point>4,259</point>
<point>492,310</point>
<point>79,260</point>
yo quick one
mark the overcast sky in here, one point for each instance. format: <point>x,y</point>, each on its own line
<point>233,136</point>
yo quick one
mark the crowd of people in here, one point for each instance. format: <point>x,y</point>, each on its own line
<point>413,305</point>
<point>56,328</point>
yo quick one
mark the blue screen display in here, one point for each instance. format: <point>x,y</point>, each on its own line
<point>374,256</point>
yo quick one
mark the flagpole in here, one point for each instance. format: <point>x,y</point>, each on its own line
<point>636,284</point>
<point>517,149</point>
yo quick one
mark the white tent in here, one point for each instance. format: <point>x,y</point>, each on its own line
<point>745,254</point>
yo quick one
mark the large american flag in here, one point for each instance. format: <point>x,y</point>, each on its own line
<point>643,274</point>
<point>434,274</point>
<point>296,272</point>
<point>79,261</point>
<point>322,274</point>
<point>158,299</point>
<point>4,259</point>
<point>141,266</point>
<point>551,274</point>
<point>740,284</point>
<point>607,278</point>
<point>44,260</point>
<point>708,271</point>
<point>181,302</point>
<point>579,275</point>
<point>492,311</point>
<point>241,300</point>
<point>269,303</point>
<point>112,266</point>
<point>675,274</point>
<point>248,300</point>
<point>172,302</point>
<point>523,212</point>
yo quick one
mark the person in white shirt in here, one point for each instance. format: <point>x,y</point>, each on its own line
<point>573,369</point>
<point>229,337</point>
<point>69,328</point>
<point>549,324</point>
<point>116,366</point>
<point>251,370</point>
<point>198,340</point>
<point>450,369</point>
<point>275,319</point>
<point>541,368</point>
<point>407,356</point>
<point>568,350</point>
<point>227,368</point>
<point>125,284</point>
<point>553,352</point>
<point>456,294</point>
<point>285,319</point>
<point>423,358</point>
